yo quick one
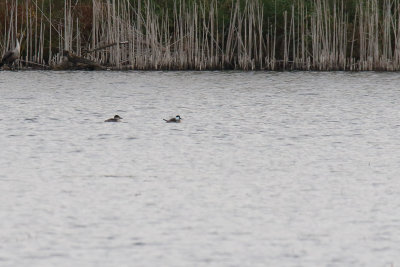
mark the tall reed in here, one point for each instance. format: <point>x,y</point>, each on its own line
<point>137,34</point>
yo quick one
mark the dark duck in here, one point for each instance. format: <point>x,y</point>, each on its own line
<point>177,119</point>
<point>115,119</point>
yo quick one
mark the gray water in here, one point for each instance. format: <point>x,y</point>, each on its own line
<point>266,169</point>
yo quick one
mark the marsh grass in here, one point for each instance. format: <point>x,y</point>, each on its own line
<point>124,34</point>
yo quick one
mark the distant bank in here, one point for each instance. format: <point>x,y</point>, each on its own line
<point>203,34</point>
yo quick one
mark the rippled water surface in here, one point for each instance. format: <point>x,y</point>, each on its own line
<point>266,169</point>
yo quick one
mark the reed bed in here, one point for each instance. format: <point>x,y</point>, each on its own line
<point>138,34</point>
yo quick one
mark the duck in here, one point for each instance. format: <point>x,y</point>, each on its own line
<point>115,119</point>
<point>177,119</point>
<point>11,56</point>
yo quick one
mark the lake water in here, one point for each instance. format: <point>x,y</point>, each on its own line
<point>266,169</point>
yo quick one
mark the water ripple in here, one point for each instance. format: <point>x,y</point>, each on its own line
<point>266,169</point>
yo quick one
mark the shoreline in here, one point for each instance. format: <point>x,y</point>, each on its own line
<point>195,70</point>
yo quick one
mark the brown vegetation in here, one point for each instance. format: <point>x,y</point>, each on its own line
<point>125,34</point>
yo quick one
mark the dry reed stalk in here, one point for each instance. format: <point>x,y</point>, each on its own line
<point>192,36</point>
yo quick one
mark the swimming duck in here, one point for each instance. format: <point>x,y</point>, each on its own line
<point>177,119</point>
<point>115,119</point>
